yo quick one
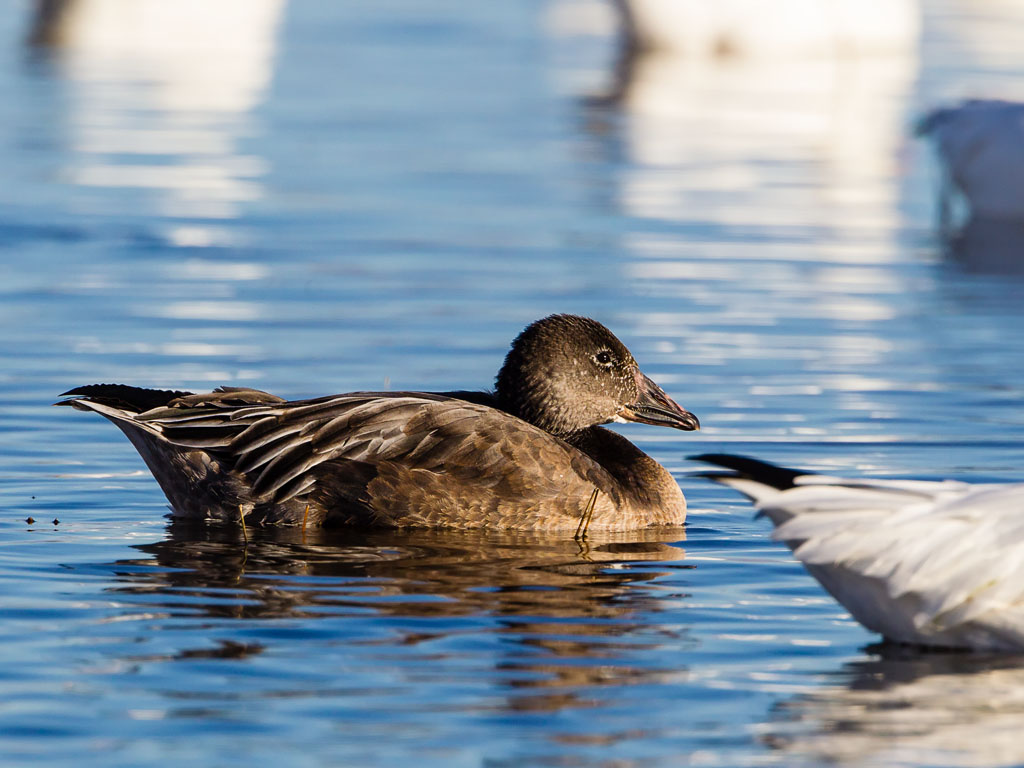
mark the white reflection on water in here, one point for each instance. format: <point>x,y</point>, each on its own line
<point>203,269</point>
<point>730,27</point>
<point>187,349</point>
<point>973,50</point>
<point>823,132</point>
<point>227,310</point>
<point>931,710</point>
<point>711,134</point>
<point>161,94</point>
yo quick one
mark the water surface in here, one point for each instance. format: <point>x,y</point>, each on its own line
<point>364,197</point>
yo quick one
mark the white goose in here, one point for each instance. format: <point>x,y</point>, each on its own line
<point>936,563</point>
<point>980,148</point>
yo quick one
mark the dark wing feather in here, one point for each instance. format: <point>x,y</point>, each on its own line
<point>412,441</point>
<point>125,397</point>
<point>777,477</point>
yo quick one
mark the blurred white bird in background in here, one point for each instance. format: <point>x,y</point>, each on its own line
<point>980,148</point>
<point>934,563</point>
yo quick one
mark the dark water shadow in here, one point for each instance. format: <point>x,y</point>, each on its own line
<point>908,707</point>
<point>988,246</point>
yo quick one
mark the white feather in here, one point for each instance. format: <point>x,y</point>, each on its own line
<point>933,563</point>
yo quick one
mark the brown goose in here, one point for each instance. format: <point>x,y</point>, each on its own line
<point>530,456</point>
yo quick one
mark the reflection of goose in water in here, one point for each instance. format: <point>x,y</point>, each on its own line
<point>173,81</point>
<point>938,563</point>
<point>922,709</point>
<point>389,572</point>
<point>749,140</point>
<point>559,614</point>
<point>769,27</point>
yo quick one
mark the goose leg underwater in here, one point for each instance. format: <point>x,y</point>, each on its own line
<point>931,563</point>
<point>531,455</point>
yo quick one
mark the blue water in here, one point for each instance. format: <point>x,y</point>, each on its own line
<point>357,196</point>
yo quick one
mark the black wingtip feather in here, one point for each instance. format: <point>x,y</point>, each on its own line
<point>761,471</point>
<point>123,396</point>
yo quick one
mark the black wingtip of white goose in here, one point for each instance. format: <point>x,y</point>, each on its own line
<point>779,478</point>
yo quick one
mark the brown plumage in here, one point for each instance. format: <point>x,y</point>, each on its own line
<point>527,457</point>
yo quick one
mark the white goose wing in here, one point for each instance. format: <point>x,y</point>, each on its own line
<point>936,563</point>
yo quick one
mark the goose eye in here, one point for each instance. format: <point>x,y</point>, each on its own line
<point>604,358</point>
